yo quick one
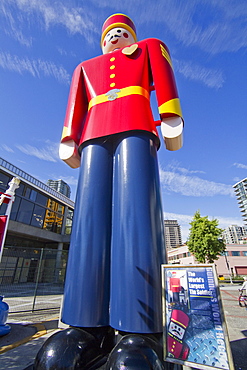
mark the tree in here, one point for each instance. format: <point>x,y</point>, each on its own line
<point>204,239</point>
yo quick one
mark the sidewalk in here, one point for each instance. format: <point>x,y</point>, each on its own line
<point>29,331</point>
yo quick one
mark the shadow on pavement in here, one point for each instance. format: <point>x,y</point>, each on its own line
<point>239,348</point>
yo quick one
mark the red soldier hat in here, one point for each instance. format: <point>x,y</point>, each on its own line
<point>118,20</point>
<point>180,318</point>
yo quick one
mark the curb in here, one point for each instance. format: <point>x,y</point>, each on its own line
<point>41,330</point>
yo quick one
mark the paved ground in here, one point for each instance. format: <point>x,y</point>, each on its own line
<point>29,331</point>
<point>236,319</point>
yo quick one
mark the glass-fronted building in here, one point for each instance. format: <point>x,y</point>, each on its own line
<point>40,217</point>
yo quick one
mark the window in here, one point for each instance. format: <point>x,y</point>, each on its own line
<point>30,193</point>
<point>20,190</point>
<point>60,208</point>
<point>52,204</point>
<point>58,224</point>
<point>15,207</point>
<point>33,195</point>
<point>68,223</point>
<point>235,253</point>
<point>25,212</point>
<point>41,199</point>
<point>244,253</point>
<point>49,220</point>
<point>4,180</point>
<point>27,192</point>
<point>38,216</point>
<point>226,253</point>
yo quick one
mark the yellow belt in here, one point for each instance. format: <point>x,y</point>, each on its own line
<point>118,93</point>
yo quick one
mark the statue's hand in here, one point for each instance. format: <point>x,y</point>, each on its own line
<point>172,132</point>
<point>68,152</point>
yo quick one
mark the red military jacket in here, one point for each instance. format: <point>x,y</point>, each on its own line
<point>175,285</point>
<point>177,349</point>
<point>110,93</point>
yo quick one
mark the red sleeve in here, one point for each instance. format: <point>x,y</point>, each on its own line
<point>164,80</point>
<point>76,109</point>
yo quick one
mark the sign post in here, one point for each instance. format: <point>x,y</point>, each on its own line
<point>195,332</point>
<point>7,197</point>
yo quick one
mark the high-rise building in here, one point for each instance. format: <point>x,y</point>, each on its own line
<point>173,237</point>
<point>61,186</point>
<point>234,234</point>
<point>240,189</point>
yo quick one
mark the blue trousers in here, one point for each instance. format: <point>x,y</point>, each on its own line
<point>117,242</point>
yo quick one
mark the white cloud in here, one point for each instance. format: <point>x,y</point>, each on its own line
<point>13,29</point>
<point>193,185</point>
<point>7,148</point>
<point>208,76</point>
<point>48,153</point>
<point>36,68</point>
<point>209,25</point>
<point>174,166</point>
<point>240,165</point>
<point>49,14</point>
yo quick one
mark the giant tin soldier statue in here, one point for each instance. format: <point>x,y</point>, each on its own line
<point>113,280</point>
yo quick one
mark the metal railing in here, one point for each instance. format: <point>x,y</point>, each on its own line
<point>15,171</point>
<point>32,279</point>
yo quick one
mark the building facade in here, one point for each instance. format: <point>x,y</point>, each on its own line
<point>40,219</point>
<point>235,234</point>
<point>173,237</point>
<point>60,186</point>
<point>240,189</point>
<point>233,261</point>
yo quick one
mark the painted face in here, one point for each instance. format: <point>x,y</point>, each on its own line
<point>116,38</point>
<point>176,330</point>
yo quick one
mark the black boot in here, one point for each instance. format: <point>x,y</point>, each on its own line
<point>135,352</point>
<point>76,348</point>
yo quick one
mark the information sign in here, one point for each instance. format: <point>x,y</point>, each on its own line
<point>195,333</point>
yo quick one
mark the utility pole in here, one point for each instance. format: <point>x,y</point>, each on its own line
<point>228,267</point>
<point>7,197</point>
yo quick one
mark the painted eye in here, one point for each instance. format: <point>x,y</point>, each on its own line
<point>125,35</point>
<point>119,31</point>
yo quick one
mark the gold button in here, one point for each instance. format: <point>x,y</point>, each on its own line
<point>112,84</point>
<point>112,75</point>
<point>112,59</point>
<point>112,67</point>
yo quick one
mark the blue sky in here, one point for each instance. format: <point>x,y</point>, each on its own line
<point>41,42</point>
